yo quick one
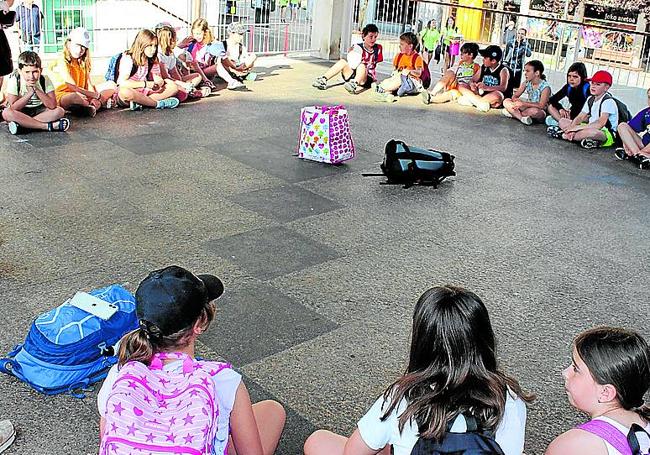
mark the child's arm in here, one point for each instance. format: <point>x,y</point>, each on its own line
<point>355,445</point>
<point>543,100</point>
<point>243,427</point>
<point>505,77</point>
<point>48,99</point>
<point>518,93</point>
<point>576,122</point>
<point>185,42</point>
<point>555,102</point>
<point>18,103</point>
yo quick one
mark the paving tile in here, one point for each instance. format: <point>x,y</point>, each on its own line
<point>268,321</point>
<point>286,203</point>
<point>146,144</point>
<point>271,252</point>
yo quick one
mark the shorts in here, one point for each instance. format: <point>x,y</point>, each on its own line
<point>367,84</point>
<point>410,86</point>
<point>294,5</point>
<point>610,137</point>
<point>33,111</point>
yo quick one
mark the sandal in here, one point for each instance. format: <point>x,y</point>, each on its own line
<point>62,125</point>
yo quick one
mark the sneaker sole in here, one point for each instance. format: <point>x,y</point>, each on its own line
<point>426,97</point>
<point>13,128</point>
<point>8,442</point>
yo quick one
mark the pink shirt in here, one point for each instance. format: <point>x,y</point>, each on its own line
<point>126,64</point>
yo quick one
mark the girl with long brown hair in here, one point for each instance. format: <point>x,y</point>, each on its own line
<point>452,376</point>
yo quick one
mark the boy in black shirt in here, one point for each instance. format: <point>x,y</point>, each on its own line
<point>491,85</point>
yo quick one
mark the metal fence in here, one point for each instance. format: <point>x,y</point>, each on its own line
<point>275,26</point>
<point>622,50</point>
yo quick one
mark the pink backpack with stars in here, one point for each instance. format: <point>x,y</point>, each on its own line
<point>158,412</point>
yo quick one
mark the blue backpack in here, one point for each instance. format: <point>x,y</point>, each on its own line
<point>475,441</point>
<point>112,72</point>
<point>68,348</point>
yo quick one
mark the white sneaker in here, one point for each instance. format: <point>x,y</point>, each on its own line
<point>464,101</point>
<point>7,434</point>
<point>483,106</point>
<point>236,85</point>
<point>506,113</point>
<point>527,120</point>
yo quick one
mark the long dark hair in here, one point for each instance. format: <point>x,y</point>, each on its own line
<point>536,65</point>
<point>452,366</point>
<point>141,344</point>
<point>621,358</point>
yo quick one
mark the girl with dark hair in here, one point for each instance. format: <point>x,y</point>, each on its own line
<point>160,399</point>
<point>576,91</point>
<point>537,91</point>
<point>452,373</point>
<point>607,379</point>
<point>446,89</point>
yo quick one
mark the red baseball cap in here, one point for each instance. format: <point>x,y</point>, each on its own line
<point>601,77</point>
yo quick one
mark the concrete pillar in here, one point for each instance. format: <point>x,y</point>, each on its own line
<point>327,30</point>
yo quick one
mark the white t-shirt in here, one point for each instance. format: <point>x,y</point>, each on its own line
<point>609,107</point>
<point>226,383</point>
<point>168,61</point>
<point>643,439</point>
<point>376,434</point>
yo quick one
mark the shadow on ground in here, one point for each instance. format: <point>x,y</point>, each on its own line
<point>322,266</point>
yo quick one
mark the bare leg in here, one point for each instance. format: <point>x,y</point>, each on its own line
<point>392,83</point>
<point>338,67</point>
<point>631,141</point>
<point>445,97</point>
<point>210,71</point>
<point>323,442</point>
<point>193,78</point>
<point>534,113</point>
<point>362,74</point>
<point>508,104</point>
<point>589,133</point>
<point>129,94</point>
<point>38,122</point>
<point>270,417</point>
<point>564,123</point>
<point>553,112</point>
<point>224,73</point>
<point>494,98</point>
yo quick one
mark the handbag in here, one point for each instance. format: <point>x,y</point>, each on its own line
<point>325,134</point>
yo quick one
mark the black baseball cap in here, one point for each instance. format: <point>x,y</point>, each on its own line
<point>492,51</point>
<point>173,298</point>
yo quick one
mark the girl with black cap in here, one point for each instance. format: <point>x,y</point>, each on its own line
<point>158,398</point>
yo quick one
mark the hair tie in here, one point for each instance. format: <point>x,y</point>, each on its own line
<point>150,330</point>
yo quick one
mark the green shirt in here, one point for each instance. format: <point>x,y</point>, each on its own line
<point>430,38</point>
<point>448,34</point>
<point>34,101</point>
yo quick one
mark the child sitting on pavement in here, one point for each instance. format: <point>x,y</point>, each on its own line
<point>362,72</point>
<point>491,85</point>
<point>576,90</point>
<point>405,79</point>
<point>196,55</point>
<point>75,91</point>
<point>31,99</point>
<point>634,146</point>
<point>537,91</point>
<point>446,89</point>
<point>234,62</point>
<point>598,120</point>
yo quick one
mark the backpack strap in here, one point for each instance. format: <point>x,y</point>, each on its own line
<point>609,433</point>
<point>632,440</point>
<point>414,59</point>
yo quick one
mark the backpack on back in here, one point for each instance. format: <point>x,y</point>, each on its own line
<point>624,114</point>
<point>410,165</point>
<point>155,411</point>
<point>113,70</point>
<point>41,80</point>
<point>625,444</point>
<point>474,441</point>
<point>68,348</point>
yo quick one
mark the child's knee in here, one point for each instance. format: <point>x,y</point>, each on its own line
<point>8,114</point>
<point>58,112</point>
<point>314,441</point>
<point>622,127</point>
<point>276,410</point>
<point>125,94</point>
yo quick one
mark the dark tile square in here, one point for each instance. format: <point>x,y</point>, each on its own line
<point>43,140</point>
<point>285,203</point>
<point>296,428</point>
<point>147,144</point>
<point>272,252</point>
<point>257,320</point>
<point>277,160</point>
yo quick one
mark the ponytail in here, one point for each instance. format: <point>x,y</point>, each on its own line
<point>142,343</point>
<point>644,412</point>
<point>136,346</point>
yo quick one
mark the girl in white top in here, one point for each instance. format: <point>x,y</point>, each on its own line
<point>174,307</point>
<point>538,92</point>
<point>452,372</point>
<point>607,379</point>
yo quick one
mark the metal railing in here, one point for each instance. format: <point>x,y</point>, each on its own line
<point>113,24</point>
<point>622,50</point>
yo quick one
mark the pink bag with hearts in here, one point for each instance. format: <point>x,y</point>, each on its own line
<point>325,134</point>
<point>153,411</point>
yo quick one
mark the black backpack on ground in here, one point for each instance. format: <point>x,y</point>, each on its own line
<point>475,441</point>
<point>413,165</point>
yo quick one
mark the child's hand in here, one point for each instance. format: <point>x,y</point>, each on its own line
<point>480,86</point>
<point>564,113</point>
<point>406,72</point>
